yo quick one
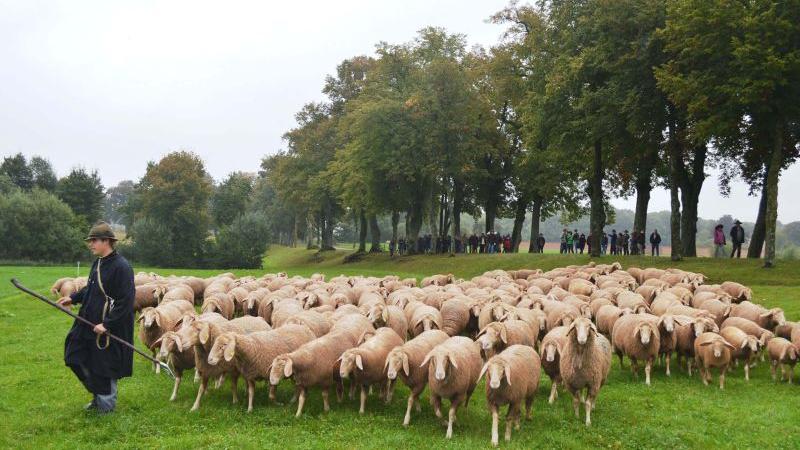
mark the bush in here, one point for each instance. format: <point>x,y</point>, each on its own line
<point>37,226</point>
<point>242,244</point>
<point>151,244</point>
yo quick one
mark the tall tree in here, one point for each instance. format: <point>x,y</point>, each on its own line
<point>83,192</point>
<point>230,199</point>
<point>17,169</point>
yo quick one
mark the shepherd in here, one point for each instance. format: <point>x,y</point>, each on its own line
<point>106,300</point>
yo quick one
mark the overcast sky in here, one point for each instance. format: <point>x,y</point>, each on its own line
<point>110,85</point>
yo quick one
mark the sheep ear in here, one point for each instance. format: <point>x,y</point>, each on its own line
<point>504,335</point>
<point>483,371</point>
<point>230,350</point>
<point>783,353</point>
<point>178,343</point>
<point>157,343</point>
<point>571,328</point>
<point>203,335</point>
<point>406,369</point>
<point>287,368</point>
<point>728,344</point>
<point>703,344</point>
<point>359,362</point>
<point>483,331</point>
<point>179,323</point>
<point>385,315</point>
<point>765,315</point>
<point>141,316</point>
<point>425,361</point>
<point>593,327</point>
<point>158,319</point>
<point>508,375</point>
<point>637,331</point>
<point>452,361</point>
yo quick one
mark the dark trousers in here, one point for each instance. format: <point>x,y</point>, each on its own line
<point>654,250</point>
<point>737,249</point>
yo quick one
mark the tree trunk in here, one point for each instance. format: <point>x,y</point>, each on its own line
<point>295,226</point>
<point>395,222</point>
<point>536,217</point>
<point>691,185</point>
<point>773,175</point>
<point>327,227</point>
<point>674,195</point>
<point>759,229</point>
<point>375,233</point>
<point>458,201</point>
<point>519,219</point>
<point>491,214</point>
<point>362,232</point>
<point>597,220</point>
<point>309,231</point>
<point>413,225</point>
<point>644,186</point>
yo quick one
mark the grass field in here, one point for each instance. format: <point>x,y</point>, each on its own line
<point>41,402</point>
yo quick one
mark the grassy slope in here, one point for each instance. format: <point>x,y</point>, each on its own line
<point>40,401</point>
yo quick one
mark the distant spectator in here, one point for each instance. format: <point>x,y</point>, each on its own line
<point>625,242</point>
<point>614,239</point>
<point>655,242</point>
<point>570,239</point>
<point>737,238</point>
<point>563,247</point>
<point>392,245</point>
<point>581,242</point>
<point>575,239</point>
<point>603,243</point>
<point>540,241</point>
<point>719,241</point>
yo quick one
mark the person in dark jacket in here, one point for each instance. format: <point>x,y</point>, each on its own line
<point>737,239</point>
<point>106,300</point>
<point>655,241</point>
<point>613,239</point>
<point>582,242</point>
<point>540,241</point>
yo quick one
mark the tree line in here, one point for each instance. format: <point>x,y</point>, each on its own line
<point>579,102</point>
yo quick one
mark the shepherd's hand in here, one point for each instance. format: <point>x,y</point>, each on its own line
<point>65,302</point>
<point>99,328</point>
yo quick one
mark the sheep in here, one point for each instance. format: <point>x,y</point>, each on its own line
<point>316,322</point>
<point>749,327</point>
<point>535,318</point>
<point>457,316</point>
<point>453,374</point>
<point>155,321</point>
<point>353,326</point>
<point>219,302</point>
<point>637,338</point>
<point>283,310</point>
<point>598,303</point>
<point>437,280</point>
<point>584,362</point>
<point>785,330</point>
<point>366,363</point>
<point>499,335</point>
<point>663,302</point>
<point>745,347</point>
<point>580,286</point>
<point>145,297</point>
<point>687,331</point>
<point>174,292</point>
<point>312,364</point>
<point>607,316</point>
<point>782,352</point>
<point>406,360</point>
<point>550,349</point>
<point>425,318</point>
<point>511,378</point>
<point>720,310</point>
<point>738,292</point>
<point>203,335</point>
<point>180,358</point>
<point>389,316</point>
<point>633,301</point>
<point>561,315</point>
<point>253,353</point>
<point>495,312</point>
<point>712,350</point>
<point>765,318</point>
<point>668,339</point>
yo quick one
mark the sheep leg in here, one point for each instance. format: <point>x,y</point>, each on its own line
<point>451,417</point>
<point>352,393</point>
<point>509,421</point>
<point>647,367</point>
<point>437,405</point>
<point>772,370</point>
<point>667,357</point>
<point>389,391</point>
<point>339,391</point>
<point>747,371</point>
<point>553,392</point>
<point>635,368</point>
<point>196,376</point>
<point>175,388</point>
<point>295,395</point>
<point>621,364</point>
<point>791,374</point>
<point>689,365</point>
<point>200,391</point>
<point>407,418</point>
<point>363,403</point>
<point>495,424</point>
<point>301,400</point>
<point>251,392</point>
<point>326,406</point>
<point>234,390</point>
<point>528,404</point>
<point>589,405</point>
<point>576,401</point>
<point>722,377</point>
<point>157,367</point>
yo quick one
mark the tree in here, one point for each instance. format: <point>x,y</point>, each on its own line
<point>231,197</point>
<point>43,175</point>
<point>735,68</point>
<point>83,192</point>
<point>173,197</point>
<point>116,198</point>
<point>242,243</point>
<point>17,169</point>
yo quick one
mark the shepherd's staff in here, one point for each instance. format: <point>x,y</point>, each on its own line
<point>22,288</point>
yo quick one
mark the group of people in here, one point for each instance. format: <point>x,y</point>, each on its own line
<point>623,243</point>
<point>737,239</point>
<point>491,242</point>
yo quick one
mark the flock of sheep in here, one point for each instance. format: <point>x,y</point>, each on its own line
<point>448,333</point>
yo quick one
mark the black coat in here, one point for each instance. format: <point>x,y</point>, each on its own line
<point>116,361</point>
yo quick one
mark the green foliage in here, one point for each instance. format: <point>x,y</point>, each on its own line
<point>115,200</point>
<point>242,243</point>
<point>231,197</point>
<point>172,201</point>
<point>37,226</point>
<point>84,193</point>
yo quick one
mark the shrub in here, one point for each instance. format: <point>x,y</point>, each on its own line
<point>37,226</point>
<point>242,243</point>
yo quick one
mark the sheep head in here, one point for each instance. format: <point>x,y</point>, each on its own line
<point>789,353</point>
<point>750,342</point>
<point>491,335</point>
<point>396,361</point>
<point>718,346</point>
<point>350,361</point>
<point>441,360</point>
<point>224,348</point>
<point>170,342</point>
<point>775,315</point>
<point>550,350</point>
<point>281,368</point>
<point>581,329</point>
<point>645,331</point>
<point>495,370</point>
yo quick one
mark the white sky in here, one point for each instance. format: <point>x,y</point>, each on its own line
<point>113,84</point>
